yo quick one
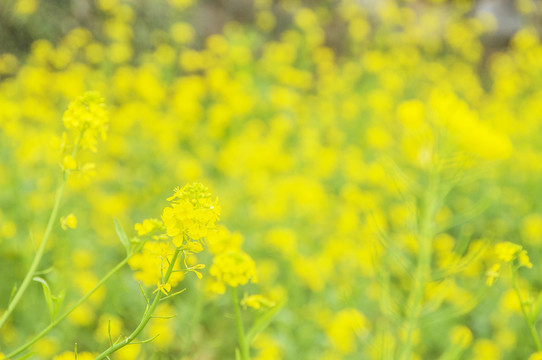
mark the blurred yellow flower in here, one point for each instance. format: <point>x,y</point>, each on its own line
<point>69,221</point>
<point>69,163</point>
<point>233,268</point>
<point>87,117</point>
<point>257,301</point>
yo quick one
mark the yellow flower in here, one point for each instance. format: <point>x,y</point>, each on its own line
<point>461,335</point>
<point>492,274</point>
<point>195,269</point>
<point>234,268</point>
<point>69,221</point>
<point>536,356</point>
<point>192,214</point>
<point>87,116</point>
<point>506,251</point>
<point>523,259</point>
<point>165,288</point>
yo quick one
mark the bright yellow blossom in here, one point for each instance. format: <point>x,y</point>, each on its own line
<point>192,214</point>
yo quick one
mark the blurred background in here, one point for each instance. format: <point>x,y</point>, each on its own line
<point>319,125</point>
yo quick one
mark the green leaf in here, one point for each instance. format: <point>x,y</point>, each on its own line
<point>237,354</point>
<point>58,302</point>
<point>48,296</point>
<point>53,302</point>
<point>262,322</point>
<point>122,236</point>
<point>45,271</point>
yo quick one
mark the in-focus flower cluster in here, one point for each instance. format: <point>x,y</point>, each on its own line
<point>86,117</point>
<point>507,252</point>
<point>188,220</point>
<point>191,215</point>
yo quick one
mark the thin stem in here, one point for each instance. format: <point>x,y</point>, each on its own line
<point>146,316</point>
<point>39,254</point>
<point>530,322</point>
<point>239,321</point>
<point>53,324</point>
<point>37,257</point>
<point>423,269</point>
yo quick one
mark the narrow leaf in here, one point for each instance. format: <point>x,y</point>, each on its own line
<point>58,300</point>
<point>143,292</point>
<point>13,292</point>
<point>122,236</point>
<point>145,341</point>
<point>45,271</point>
<point>262,322</point>
<point>48,296</point>
<point>172,295</point>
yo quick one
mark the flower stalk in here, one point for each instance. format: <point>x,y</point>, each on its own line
<point>240,329</point>
<point>58,320</point>
<point>423,269</point>
<point>529,319</point>
<point>41,250</point>
<point>146,316</point>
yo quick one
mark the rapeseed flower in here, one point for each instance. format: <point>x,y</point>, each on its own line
<point>86,117</point>
<point>507,252</point>
<point>148,226</point>
<point>192,214</point>
<point>233,268</point>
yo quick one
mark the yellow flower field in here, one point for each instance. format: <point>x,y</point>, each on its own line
<point>258,179</point>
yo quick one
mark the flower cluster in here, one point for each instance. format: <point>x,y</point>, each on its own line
<point>86,117</point>
<point>321,125</point>
<point>507,252</point>
<point>233,268</point>
<point>191,215</point>
<point>148,227</point>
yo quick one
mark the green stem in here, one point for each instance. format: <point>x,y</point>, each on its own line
<point>37,257</point>
<point>146,316</point>
<point>71,309</point>
<point>240,331</point>
<point>530,322</point>
<point>39,254</point>
<point>423,269</point>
